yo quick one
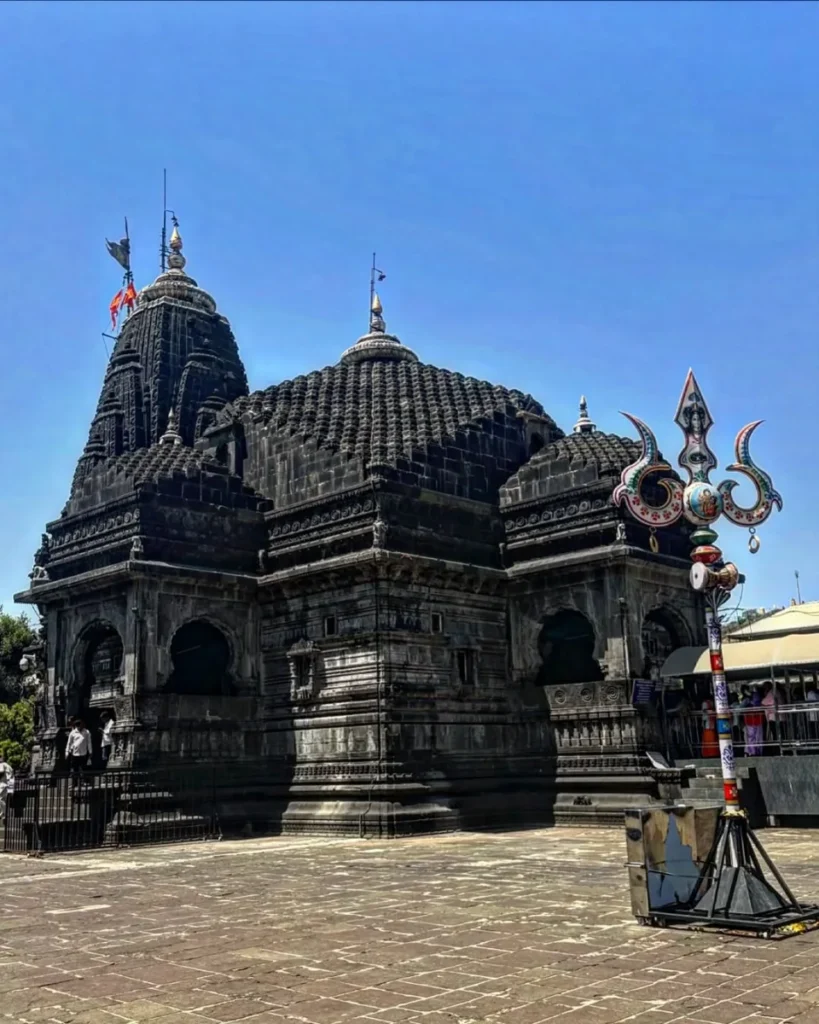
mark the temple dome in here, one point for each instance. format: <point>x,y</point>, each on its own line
<point>586,458</point>
<point>383,408</point>
<point>610,452</point>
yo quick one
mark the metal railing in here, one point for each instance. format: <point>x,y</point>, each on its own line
<point>95,809</point>
<point>757,731</point>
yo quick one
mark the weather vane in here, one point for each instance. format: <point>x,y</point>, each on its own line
<point>732,889</point>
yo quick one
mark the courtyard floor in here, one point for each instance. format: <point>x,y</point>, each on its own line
<point>513,928</point>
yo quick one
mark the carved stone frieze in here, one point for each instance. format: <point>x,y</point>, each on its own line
<point>569,696</point>
<point>550,518</point>
<point>75,534</point>
<point>303,524</point>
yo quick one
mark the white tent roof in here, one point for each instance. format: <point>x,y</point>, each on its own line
<point>796,649</point>
<point>799,618</point>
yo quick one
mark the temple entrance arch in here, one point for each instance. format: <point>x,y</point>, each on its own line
<point>98,666</point>
<point>566,645</point>
<point>200,656</point>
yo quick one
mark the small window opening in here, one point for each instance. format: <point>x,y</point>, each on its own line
<point>302,670</point>
<point>330,626</point>
<point>466,667</point>
<point>437,622</point>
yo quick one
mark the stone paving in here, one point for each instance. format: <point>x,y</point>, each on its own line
<point>513,928</point>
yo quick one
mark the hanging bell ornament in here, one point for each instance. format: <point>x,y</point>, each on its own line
<point>753,542</point>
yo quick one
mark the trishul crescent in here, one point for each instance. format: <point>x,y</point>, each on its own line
<point>699,500</point>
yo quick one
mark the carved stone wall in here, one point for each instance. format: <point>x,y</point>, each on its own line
<point>600,738</point>
<point>411,729</point>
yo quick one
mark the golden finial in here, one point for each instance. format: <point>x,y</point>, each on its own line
<point>176,261</point>
<point>377,325</point>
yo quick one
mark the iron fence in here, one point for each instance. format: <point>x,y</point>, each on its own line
<point>111,808</point>
<point>757,731</point>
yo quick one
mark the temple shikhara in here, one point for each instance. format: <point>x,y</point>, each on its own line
<point>385,597</point>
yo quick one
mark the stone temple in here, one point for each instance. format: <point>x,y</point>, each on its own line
<point>398,598</point>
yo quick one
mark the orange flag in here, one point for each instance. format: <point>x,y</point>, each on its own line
<point>114,308</point>
<point>130,296</point>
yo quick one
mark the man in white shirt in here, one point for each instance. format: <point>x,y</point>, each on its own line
<point>78,748</point>
<point>6,775</point>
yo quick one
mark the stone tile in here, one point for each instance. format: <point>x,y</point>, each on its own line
<point>790,1008</point>
<point>395,1015</point>
<point>721,1013</point>
<point>324,1011</point>
<point>142,1009</point>
<point>235,1009</point>
<point>95,1017</point>
<point>383,998</point>
<point>191,999</point>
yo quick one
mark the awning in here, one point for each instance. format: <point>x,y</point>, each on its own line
<point>797,649</point>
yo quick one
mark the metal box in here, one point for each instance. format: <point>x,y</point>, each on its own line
<point>666,848</point>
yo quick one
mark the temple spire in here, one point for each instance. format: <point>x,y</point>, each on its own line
<point>584,424</point>
<point>171,435</point>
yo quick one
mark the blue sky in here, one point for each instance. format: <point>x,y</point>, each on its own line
<point>567,197</point>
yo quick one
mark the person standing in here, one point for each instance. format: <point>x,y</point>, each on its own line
<point>754,725</point>
<point>6,775</point>
<point>812,698</point>
<point>769,703</point>
<point>107,741</point>
<point>710,742</point>
<point>78,748</point>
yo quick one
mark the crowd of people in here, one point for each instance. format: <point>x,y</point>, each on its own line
<point>763,718</point>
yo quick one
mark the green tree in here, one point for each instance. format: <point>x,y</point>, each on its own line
<point>16,634</point>
<point>17,733</point>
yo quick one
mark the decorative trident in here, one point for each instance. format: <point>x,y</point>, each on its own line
<point>701,503</point>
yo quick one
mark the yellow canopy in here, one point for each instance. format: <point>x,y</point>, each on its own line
<point>796,649</point>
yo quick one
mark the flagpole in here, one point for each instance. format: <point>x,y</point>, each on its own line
<point>381,276</point>
<point>128,274</point>
<point>372,291</point>
<point>163,245</point>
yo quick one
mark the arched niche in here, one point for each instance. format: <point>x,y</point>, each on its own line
<point>97,669</point>
<point>200,660</point>
<point>98,655</point>
<point>566,645</point>
<point>662,632</point>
